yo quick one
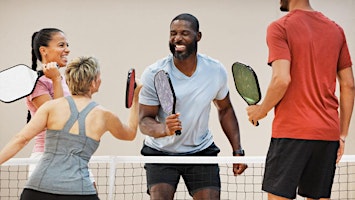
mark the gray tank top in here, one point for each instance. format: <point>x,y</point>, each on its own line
<point>63,168</point>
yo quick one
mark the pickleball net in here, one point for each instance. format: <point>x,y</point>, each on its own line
<point>123,177</point>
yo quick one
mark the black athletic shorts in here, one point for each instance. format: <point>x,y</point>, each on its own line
<point>29,194</point>
<point>306,165</point>
<point>196,176</point>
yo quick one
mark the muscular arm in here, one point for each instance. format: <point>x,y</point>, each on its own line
<point>230,126</point>
<point>147,123</point>
<point>150,126</point>
<point>228,121</point>
<point>277,88</point>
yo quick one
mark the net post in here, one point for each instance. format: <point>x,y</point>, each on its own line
<point>112,176</point>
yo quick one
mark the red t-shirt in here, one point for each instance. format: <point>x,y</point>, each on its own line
<point>317,49</point>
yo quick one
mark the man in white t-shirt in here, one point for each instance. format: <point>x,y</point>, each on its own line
<point>198,80</point>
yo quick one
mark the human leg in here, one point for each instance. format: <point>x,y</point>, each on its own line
<point>162,180</point>
<point>318,199</point>
<point>162,191</point>
<point>205,194</point>
<point>29,194</point>
<point>202,180</point>
<point>317,179</point>
<point>274,197</point>
<point>285,162</point>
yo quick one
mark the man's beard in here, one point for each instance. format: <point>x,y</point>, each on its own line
<point>190,49</point>
<point>284,6</point>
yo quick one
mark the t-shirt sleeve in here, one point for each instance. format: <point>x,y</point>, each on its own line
<point>41,88</point>
<point>223,79</point>
<point>344,56</point>
<point>147,95</point>
<point>276,39</point>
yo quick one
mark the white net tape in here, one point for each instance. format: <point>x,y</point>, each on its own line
<point>123,177</point>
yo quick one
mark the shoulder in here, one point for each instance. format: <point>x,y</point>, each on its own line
<point>277,25</point>
<point>53,104</point>
<point>330,22</point>
<point>285,20</point>
<point>151,70</point>
<point>159,64</point>
<point>45,81</point>
<point>101,112</point>
<point>213,65</point>
<point>43,86</point>
<point>208,61</point>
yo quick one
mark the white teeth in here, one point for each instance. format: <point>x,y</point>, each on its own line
<point>180,47</point>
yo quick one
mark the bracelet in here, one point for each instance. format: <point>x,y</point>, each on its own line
<point>239,152</point>
<point>343,140</point>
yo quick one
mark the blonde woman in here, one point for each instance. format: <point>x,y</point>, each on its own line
<point>74,126</point>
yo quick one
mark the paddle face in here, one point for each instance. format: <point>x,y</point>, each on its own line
<point>165,92</point>
<point>131,85</point>
<point>17,82</point>
<point>246,83</point>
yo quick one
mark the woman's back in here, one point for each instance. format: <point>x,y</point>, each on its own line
<point>66,156</point>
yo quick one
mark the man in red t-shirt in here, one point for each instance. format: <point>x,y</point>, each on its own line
<point>307,52</point>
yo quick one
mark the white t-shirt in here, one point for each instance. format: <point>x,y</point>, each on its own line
<point>194,96</point>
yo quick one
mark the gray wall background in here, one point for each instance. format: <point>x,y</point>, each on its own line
<point>134,33</point>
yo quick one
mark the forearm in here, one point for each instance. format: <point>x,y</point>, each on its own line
<point>347,93</point>
<point>346,109</point>
<point>12,148</point>
<point>280,81</point>
<point>151,127</point>
<point>134,113</point>
<point>57,87</point>
<point>230,127</point>
<point>274,94</point>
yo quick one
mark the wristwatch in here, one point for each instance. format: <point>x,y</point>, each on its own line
<point>239,152</point>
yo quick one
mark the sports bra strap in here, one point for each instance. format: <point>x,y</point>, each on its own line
<point>76,116</point>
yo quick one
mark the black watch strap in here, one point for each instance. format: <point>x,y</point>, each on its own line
<point>239,152</point>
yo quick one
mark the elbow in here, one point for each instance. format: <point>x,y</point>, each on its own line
<point>128,137</point>
<point>349,87</point>
<point>282,82</point>
<point>286,82</point>
<point>21,140</point>
<point>352,88</point>
<point>132,136</point>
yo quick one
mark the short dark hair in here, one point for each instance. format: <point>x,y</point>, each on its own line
<point>190,18</point>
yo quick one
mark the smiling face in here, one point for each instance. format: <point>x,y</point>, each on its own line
<point>57,50</point>
<point>183,39</point>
